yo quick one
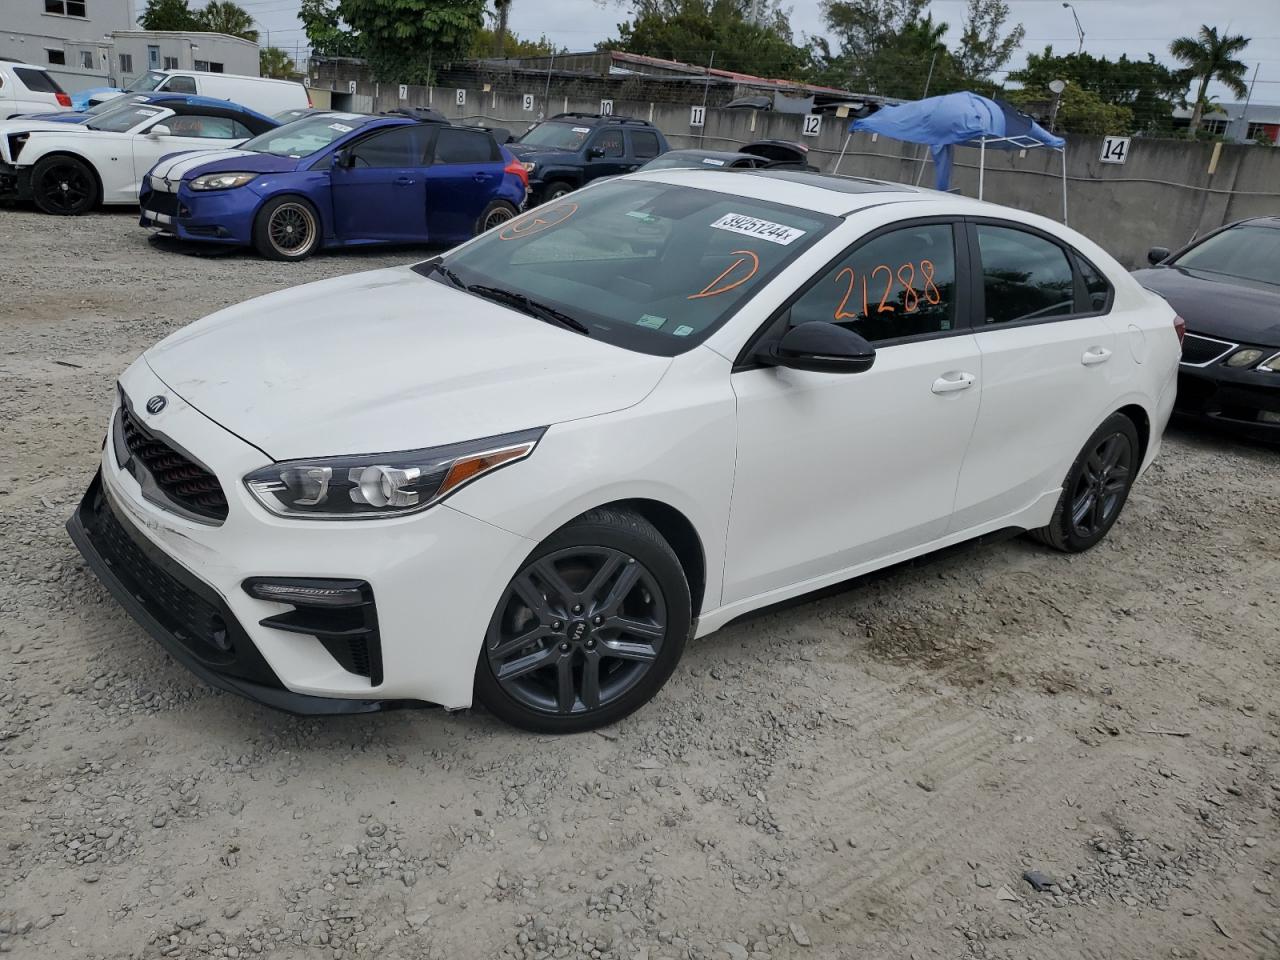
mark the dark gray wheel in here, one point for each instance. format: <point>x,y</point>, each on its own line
<point>555,190</point>
<point>64,185</point>
<point>1096,487</point>
<point>287,228</point>
<point>589,628</point>
<point>496,213</point>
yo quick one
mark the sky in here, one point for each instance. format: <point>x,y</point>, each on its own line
<point>1112,27</point>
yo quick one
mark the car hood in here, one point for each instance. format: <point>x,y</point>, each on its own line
<point>28,125</point>
<point>525,151</point>
<point>185,166</point>
<point>390,360</point>
<point>1218,306</point>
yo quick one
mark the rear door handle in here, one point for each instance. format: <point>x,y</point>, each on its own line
<point>482,178</point>
<point>953,381</point>
<point>1095,355</point>
<point>404,181</point>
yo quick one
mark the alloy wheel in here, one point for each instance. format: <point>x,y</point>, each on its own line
<point>292,228</point>
<point>65,187</point>
<point>576,629</point>
<point>1100,487</point>
<point>496,216</point>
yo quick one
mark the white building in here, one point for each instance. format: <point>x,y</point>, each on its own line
<point>137,51</point>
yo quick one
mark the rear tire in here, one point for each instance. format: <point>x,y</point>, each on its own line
<point>287,228</point>
<point>589,629</point>
<point>64,186</point>
<point>496,213</point>
<point>1096,488</point>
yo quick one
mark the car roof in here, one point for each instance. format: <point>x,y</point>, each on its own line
<point>698,152</point>
<point>1272,222</point>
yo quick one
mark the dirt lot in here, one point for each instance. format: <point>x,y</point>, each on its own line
<point>865,775</point>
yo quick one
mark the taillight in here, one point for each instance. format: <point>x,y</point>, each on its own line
<point>1179,327</point>
<point>309,103</point>
<point>63,99</point>
<point>517,168</point>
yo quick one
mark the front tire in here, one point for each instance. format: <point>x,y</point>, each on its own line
<point>64,186</point>
<point>589,629</point>
<point>287,228</point>
<point>555,190</point>
<point>1096,487</point>
<point>496,213</point>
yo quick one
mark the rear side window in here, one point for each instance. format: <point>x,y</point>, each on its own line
<point>398,147</point>
<point>1024,277</point>
<point>37,81</point>
<point>645,144</point>
<point>178,84</point>
<point>464,146</point>
<point>899,284</point>
<point>1097,289</point>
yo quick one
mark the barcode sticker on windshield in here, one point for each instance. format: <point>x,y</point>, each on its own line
<point>581,129</point>
<point>760,229</point>
<point>713,162</point>
<point>147,113</point>
<point>340,127</point>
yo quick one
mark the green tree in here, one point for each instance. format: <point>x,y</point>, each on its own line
<point>1079,110</point>
<point>983,50</point>
<point>1146,87</point>
<point>326,33</point>
<point>402,38</point>
<point>223,16</point>
<point>168,15</point>
<point>274,62</point>
<point>887,47</point>
<point>484,43</point>
<point>1211,56</point>
<point>691,30</point>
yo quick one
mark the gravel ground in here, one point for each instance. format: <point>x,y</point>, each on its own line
<point>869,774</point>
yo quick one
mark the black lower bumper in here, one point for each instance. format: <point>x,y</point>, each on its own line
<point>188,617</point>
<point>15,182</point>
<point>1231,400</point>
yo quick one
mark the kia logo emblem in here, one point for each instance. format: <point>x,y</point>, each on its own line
<point>156,404</point>
<point>579,629</point>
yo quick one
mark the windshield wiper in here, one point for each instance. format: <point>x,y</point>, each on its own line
<point>437,266</point>
<point>532,307</point>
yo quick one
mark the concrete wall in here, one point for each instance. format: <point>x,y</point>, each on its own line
<point>1166,192</point>
<point>28,33</point>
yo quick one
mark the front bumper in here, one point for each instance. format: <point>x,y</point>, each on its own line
<point>435,576</point>
<point>15,182</point>
<point>1243,402</point>
<point>215,216</point>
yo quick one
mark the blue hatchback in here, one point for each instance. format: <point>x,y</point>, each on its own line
<point>335,180</point>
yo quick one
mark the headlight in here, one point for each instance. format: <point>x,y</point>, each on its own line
<point>383,484</point>
<point>1271,366</point>
<point>221,181</point>
<point>530,166</point>
<point>1245,358</point>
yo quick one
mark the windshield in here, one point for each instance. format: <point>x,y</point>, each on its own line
<point>305,136</point>
<point>1247,252</point>
<point>115,103</point>
<point>148,81</point>
<point>684,158</point>
<point>558,136</point>
<point>124,117</point>
<point>648,266</point>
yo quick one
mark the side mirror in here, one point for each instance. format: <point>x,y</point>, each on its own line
<point>343,160</point>
<point>159,130</point>
<point>595,153</point>
<point>820,347</point>
<point>1157,254</point>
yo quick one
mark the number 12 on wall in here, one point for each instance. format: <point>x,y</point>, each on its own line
<point>812,124</point>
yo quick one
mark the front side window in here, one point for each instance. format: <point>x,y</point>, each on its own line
<point>399,147</point>
<point>651,267</point>
<point>463,146</point>
<point>1246,252</point>
<point>645,144</point>
<point>1024,276</point>
<point>557,135</point>
<point>609,143</point>
<point>207,127</point>
<point>899,284</point>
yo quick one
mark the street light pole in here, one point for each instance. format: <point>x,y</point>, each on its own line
<point>1079,29</point>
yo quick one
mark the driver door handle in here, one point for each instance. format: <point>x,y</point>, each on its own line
<point>404,181</point>
<point>1095,355</point>
<point>953,381</point>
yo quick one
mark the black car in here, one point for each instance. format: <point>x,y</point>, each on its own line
<point>570,150</point>
<point>1226,286</point>
<point>773,154</point>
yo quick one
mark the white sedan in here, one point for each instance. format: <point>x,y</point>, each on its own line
<point>531,469</point>
<point>70,168</point>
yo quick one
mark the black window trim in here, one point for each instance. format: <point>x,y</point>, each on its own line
<point>978,293</point>
<point>772,328</point>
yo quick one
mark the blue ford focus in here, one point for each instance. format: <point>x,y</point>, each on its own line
<point>338,180</point>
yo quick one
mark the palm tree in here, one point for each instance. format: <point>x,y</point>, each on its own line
<point>274,62</point>
<point>1209,56</point>
<point>503,10</point>
<point>223,16</point>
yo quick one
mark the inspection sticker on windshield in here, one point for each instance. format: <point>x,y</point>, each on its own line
<point>713,162</point>
<point>682,330</point>
<point>760,229</point>
<point>581,129</point>
<point>649,320</point>
<point>147,113</point>
<point>340,127</point>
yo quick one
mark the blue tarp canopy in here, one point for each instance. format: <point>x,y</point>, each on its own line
<point>964,118</point>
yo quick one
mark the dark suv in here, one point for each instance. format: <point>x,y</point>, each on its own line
<point>572,149</point>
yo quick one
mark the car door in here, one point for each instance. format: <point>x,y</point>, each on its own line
<point>190,129</point>
<point>607,154</point>
<point>379,192</point>
<point>837,470</point>
<point>643,146</point>
<point>1048,359</point>
<point>464,177</point>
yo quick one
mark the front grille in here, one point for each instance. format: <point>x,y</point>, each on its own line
<point>189,617</point>
<point>1199,351</point>
<point>161,202</point>
<point>179,478</point>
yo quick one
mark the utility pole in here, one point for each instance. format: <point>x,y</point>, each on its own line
<point>705,87</point>
<point>1244,114</point>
